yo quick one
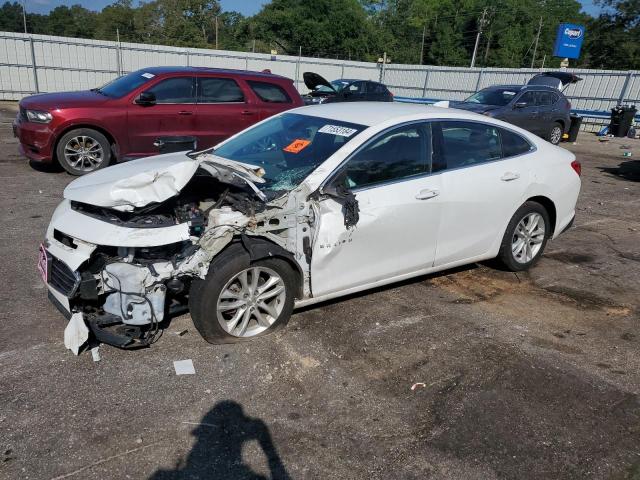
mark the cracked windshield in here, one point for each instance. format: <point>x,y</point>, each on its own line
<point>289,147</point>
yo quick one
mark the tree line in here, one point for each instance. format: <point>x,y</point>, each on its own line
<point>513,33</point>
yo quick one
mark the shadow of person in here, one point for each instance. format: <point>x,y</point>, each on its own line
<point>217,454</point>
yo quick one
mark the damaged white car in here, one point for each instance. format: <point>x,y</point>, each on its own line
<point>312,204</point>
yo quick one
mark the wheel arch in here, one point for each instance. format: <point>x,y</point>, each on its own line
<point>549,206</point>
<point>110,137</point>
<point>258,248</point>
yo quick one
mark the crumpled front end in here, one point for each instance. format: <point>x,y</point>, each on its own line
<point>126,269</point>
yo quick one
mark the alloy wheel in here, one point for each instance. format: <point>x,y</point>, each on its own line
<point>528,238</point>
<point>556,135</point>
<point>84,153</point>
<point>251,302</point>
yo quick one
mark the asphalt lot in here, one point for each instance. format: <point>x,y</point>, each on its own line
<point>528,376</point>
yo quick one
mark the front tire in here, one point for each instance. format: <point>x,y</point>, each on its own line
<point>83,151</point>
<point>555,133</point>
<point>525,238</point>
<point>236,302</point>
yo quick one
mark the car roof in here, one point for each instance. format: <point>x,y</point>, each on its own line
<point>374,113</point>
<point>223,71</point>
<point>523,87</point>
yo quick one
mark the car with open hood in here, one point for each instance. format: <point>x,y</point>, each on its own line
<point>539,106</point>
<point>146,112</point>
<point>306,206</point>
<point>343,90</point>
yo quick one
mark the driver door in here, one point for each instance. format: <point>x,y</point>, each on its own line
<point>399,214</point>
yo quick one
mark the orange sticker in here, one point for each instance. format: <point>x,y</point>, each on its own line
<point>296,146</point>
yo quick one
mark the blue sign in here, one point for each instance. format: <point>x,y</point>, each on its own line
<point>568,40</point>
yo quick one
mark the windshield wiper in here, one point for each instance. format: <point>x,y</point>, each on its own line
<point>97,90</point>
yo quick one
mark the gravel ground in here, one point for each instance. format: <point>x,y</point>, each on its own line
<point>528,376</point>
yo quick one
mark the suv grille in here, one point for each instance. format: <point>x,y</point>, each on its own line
<point>62,278</point>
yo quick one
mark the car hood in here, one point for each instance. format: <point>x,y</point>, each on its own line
<point>473,107</point>
<point>313,80</point>
<point>138,183</point>
<point>52,101</point>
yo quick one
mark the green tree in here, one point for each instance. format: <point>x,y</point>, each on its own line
<point>332,28</point>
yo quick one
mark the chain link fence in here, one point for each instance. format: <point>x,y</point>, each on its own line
<point>40,63</point>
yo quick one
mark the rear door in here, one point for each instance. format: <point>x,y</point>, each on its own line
<point>483,183</point>
<point>173,114</point>
<point>548,103</point>
<point>224,108</point>
<point>271,98</point>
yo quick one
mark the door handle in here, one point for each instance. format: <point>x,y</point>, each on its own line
<point>185,112</point>
<point>508,176</point>
<point>247,112</point>
<point>427,194</point>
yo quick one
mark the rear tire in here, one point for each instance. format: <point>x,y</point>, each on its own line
<point>83,151</point>
<point>525,238</point>
<point>555,133</point>
<point>260,309</point>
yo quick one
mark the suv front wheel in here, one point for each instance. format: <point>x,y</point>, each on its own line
<point>83,150</point>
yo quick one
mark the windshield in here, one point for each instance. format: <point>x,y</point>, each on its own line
<point>127,83</point>
<point>289,147</point>
<point>494,96</point>
<point>338,85</point>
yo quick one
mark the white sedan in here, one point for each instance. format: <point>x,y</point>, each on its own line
<point>312,204</point>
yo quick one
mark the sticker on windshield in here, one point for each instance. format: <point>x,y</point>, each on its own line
<point>336,130</point>
<point>297,145</point>
<point>148,75</point>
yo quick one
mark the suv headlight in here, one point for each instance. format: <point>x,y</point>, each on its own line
<point>38,116</point>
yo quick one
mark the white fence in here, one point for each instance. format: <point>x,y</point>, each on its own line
<point>40,63</point>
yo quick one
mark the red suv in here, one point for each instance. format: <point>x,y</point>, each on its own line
<point>147,112</point>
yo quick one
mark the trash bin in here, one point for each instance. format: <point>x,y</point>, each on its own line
<point>576,121</point>
<point>175,144</point>
<point>621,120</point>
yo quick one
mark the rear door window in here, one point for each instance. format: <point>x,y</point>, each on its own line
<point>219,90</point>
<point>175,90</point>
<point>465,144</point>
<point>513,144</point>
<point>269,92</point>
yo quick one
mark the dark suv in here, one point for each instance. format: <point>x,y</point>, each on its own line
<point>343,90</point>
<point>540,106</point>
<point>146,112</point>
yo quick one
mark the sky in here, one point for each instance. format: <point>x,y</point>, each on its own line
<point>246,7</point>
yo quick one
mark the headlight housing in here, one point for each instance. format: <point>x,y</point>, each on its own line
<point>38,116</point>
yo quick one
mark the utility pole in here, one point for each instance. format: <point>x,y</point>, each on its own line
<point>424,31</point>
<point>216,32</point>
<point>535,48</point>
<point>481,24</point>
<point>24,15</point>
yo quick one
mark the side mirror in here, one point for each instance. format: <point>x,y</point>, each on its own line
<point>146,99</point>
<point>337,187</point>
<point>521,105</point>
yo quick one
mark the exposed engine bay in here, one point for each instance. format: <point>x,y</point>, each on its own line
<point>124,292</point>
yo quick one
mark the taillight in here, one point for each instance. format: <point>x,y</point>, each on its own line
<point>577,167</point>
<point>568,105</point>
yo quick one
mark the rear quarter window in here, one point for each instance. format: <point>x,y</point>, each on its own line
<point>269,92</point>
<point>513,144</point>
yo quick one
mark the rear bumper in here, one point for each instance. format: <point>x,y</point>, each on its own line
<point>36,140</point>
